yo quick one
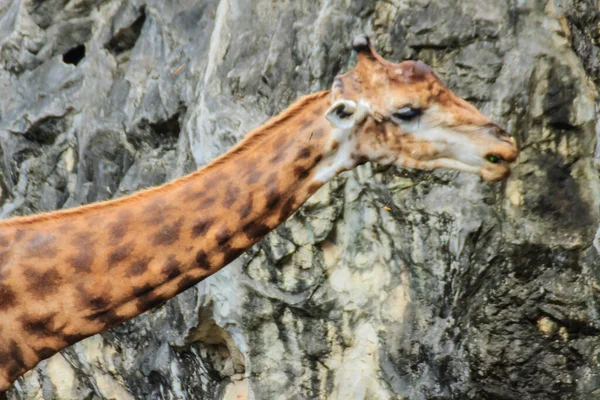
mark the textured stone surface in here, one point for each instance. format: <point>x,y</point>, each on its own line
<point>461,290</point>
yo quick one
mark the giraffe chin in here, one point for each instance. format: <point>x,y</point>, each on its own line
<point>495,172</point>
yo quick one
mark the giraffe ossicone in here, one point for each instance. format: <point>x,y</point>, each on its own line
<point>70,274</point>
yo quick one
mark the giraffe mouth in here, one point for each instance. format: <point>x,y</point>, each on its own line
<point>495,172</point>
<point>490,172</point>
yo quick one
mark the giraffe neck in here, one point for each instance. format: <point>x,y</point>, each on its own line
<point>70,274</point>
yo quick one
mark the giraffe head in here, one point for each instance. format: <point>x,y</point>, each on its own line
<point>403,114</point>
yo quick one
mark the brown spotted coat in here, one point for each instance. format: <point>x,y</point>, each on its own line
<point>70,274</point>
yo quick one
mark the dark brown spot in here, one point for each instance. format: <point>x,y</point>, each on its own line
<point>231,253</point>
<point>83,260</point>
<point>12,362</point>
<point>246,209</point>
<point>273,198</point>
<point>223,236</point>
<point>334,145</point>
<point>138,267</point>
<point>288,207</point>
<point>7,297</point>
<point>317,159</point>
<point>42,284</point>
<point>186,282</point>
<point>201,226</point>
<point>45,352</point>
<point>211,180</point>
<point>303,153</point>
<point>71,338</point>
<point>205,203</point>
<point>147,302</point>
<point>117,231</point>
<point>16,354</point>
<point>255,230</point>
<point>253,177</point>
<point>272,195</point>
<point>154,205</point>
<point>156,211</point>
<point>202,260</point>
<point>98,302</point>
<point>231,195</point>
<point>278,157</point>
<point>82,239</point>
<point>14,370</point>
<point>301,172</point>
<point>94,302</point>
<point>167,234</point>
<point>41,245</point>
<point>172,268</point>
<point>305,124</point>
<point>4,358</point>
<point>139,291</point>
<point>41,327</point>
<point>107,317</point>
<point>120,254</point>
<point>360,159</point>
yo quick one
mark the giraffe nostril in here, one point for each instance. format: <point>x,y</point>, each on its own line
<point>502,134</point>
<point>499,133</point>
<point>505,136</point>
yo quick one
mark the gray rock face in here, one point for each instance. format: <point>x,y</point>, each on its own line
<point>461,290</point>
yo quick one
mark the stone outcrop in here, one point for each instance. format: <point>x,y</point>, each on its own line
<point>387,284</point>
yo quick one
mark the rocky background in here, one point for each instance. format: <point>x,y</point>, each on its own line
<point>388,284</point>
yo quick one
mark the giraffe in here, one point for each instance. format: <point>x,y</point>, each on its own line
<point>70,274</point>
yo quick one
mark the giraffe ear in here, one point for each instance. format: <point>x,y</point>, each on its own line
<point>342,114</point>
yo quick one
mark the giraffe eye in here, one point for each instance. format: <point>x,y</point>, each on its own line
<point>407,113</point>
<point>342,112</point>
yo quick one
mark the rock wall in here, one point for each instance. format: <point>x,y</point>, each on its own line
<point>388,284</point>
